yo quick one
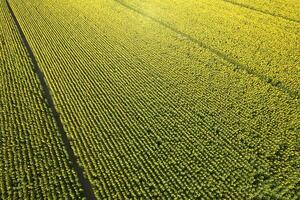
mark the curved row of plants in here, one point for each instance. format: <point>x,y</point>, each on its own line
<point>264,45</point>
<point>33,161</point>
<point>151,115</point>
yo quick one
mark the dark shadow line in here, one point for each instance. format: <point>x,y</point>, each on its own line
<point>275,83</point>
<point>87,188</point>
<point>262,11</point>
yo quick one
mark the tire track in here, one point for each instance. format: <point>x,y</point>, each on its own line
<point>268,80</point>
<point>262,11</point>
<point>87,188</point>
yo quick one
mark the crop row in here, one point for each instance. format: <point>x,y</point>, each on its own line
<point>78,96</point>
<point>286,10</point>
<point>259,43</point>
<point>144,118</point>
<point>33,161</point>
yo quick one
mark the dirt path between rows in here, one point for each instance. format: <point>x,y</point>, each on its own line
<point>86,185</point>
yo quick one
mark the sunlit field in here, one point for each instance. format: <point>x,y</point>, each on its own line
<point>152,99</point>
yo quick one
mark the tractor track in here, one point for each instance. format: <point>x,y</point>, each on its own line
<point>268,80</point>
<point>261,11</point>
<point>86,185</point>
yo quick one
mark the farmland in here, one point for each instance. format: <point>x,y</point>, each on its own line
<point>128,99</point>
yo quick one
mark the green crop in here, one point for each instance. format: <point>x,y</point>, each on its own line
<point>157,99</point>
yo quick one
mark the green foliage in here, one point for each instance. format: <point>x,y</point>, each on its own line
<point>160,100</point>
